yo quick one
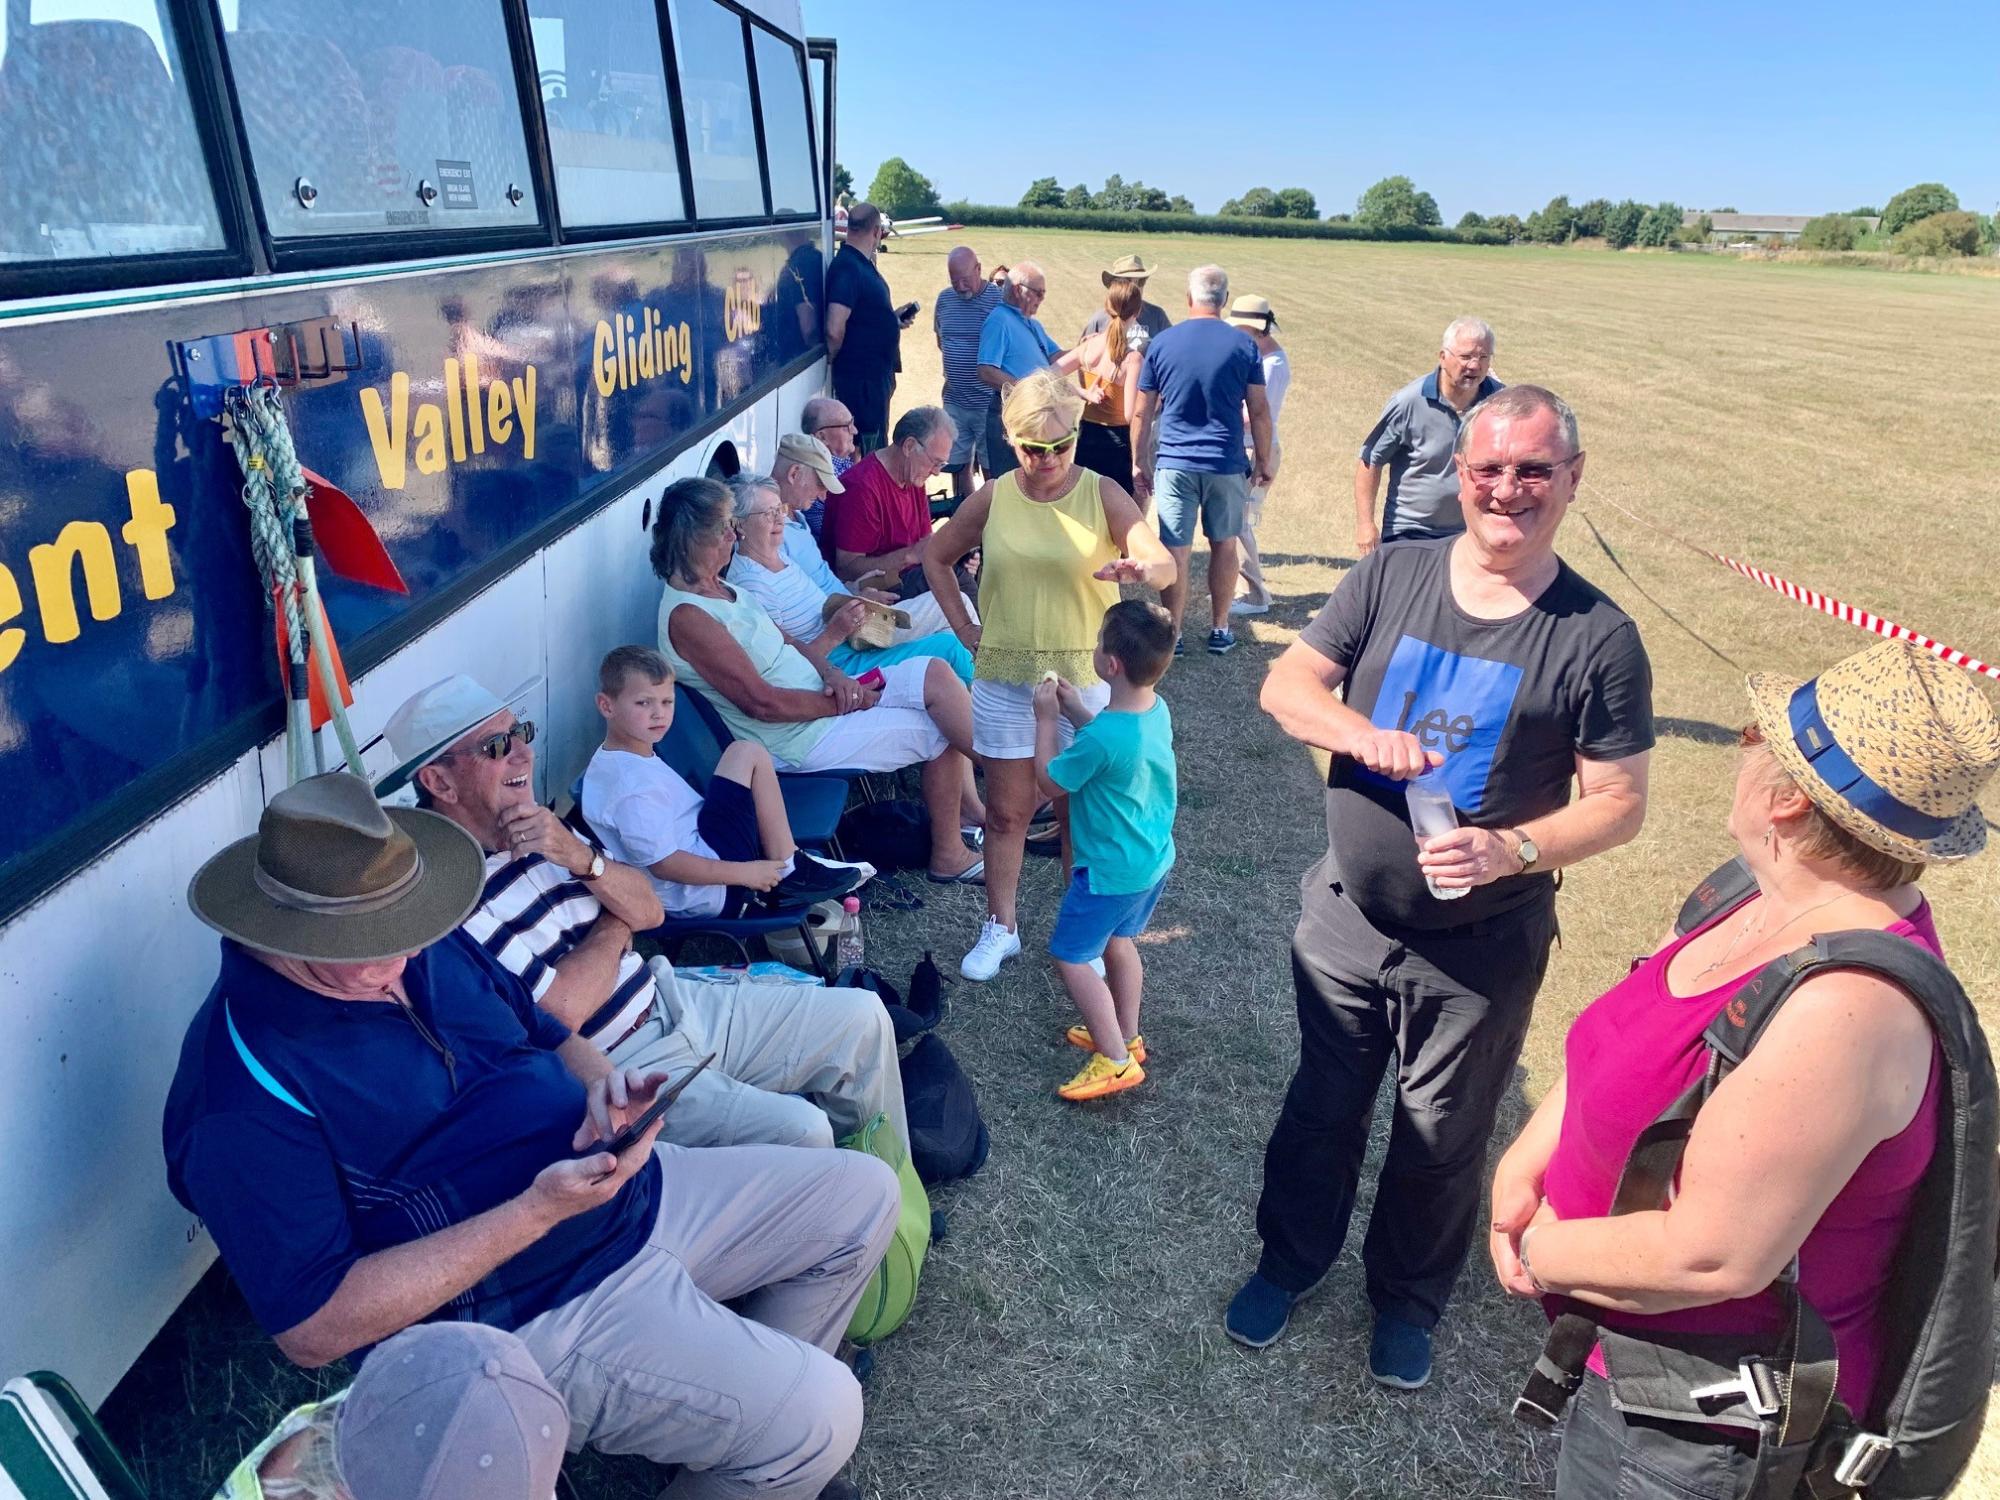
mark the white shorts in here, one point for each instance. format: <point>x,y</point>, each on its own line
<point>898,731</point>
<point>1003,718</point>
<point>927,617</point>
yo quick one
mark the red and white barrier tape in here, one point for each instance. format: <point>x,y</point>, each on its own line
<point>1814,599</point>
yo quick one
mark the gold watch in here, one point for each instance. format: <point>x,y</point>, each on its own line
<point>1526,851</point>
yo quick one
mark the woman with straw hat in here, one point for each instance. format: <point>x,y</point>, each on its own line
<point>1811,1151</point>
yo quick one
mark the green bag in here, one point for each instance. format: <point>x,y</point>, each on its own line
<point>892,1290</point>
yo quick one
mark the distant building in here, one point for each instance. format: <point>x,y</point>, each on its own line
<point>1779,228</point>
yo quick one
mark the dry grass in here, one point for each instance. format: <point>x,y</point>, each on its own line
<point>1832,425</point>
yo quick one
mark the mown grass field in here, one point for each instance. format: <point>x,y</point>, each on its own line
<point>1834,426</point>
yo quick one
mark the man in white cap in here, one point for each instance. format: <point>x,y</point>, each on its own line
<point>378,1127</point>
<point>441,1411</point>
<point>795,1064</point>
<point>1152,317</point>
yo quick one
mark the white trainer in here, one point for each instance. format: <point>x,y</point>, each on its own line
<point>997,943</point>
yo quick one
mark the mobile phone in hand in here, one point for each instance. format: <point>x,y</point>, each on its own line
<point>622,1142</point>
<point>872,678</point>
<point>906,312</point>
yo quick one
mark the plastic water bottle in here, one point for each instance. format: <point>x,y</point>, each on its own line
<point>1432,813</point>
<point>847,947</point>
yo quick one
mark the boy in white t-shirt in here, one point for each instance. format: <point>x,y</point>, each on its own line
<point>713,855</point>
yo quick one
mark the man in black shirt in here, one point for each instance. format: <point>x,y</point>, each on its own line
<point>863,334</point>
<point>1485,657</point>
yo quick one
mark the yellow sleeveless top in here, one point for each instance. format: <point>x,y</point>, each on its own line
<point>1039,608</point>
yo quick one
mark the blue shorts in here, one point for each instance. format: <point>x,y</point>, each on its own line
<point>1087,922</point>
<point>1184,496</point>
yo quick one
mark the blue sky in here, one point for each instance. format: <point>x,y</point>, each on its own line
<point>1767,106</point>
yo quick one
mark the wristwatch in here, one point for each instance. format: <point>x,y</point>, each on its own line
<point>596,864</point>
<point>1526,851</point>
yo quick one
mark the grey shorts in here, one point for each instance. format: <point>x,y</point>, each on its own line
<point>969,444</point>
<point>1184,494</point>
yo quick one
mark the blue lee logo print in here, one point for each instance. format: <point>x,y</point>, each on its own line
<point>1455,705</point>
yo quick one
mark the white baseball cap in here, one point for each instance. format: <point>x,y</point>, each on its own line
<point>426,726</point>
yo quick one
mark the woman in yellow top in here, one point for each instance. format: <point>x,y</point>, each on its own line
<point>1057,540</point>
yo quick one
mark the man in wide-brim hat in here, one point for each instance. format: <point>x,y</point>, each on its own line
<point>1152,317</point>
<point>379,1127</point>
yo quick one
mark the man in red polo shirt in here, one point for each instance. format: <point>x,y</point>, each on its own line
<point>880,522</point>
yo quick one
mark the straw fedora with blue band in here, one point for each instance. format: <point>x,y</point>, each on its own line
<point>332,876</point>
<point>430,722</point>
<point>1892,744</point>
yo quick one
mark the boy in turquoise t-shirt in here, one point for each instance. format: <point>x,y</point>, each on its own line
<point>1120,779</point>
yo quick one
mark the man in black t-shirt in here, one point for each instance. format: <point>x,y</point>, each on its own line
<point>1485,657</point>
<point>863,335</point>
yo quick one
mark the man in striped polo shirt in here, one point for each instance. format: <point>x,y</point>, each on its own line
<point>960,314</point>
<point>561,916</point>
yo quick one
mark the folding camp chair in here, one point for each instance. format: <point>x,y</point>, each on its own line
<point>51,1447</point>
<point>694,742</point>
<point>720,732</point>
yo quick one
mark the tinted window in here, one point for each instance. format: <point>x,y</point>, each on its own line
<point>781,90</point>
<point>715,103</point>
<point>604,94</point>
<point>98,150</point>
<point>399,117</point>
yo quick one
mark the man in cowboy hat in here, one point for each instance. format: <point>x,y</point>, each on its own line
<point>795,1064</point>
<point>379,1127</point>
<point>1152,317</point>
<point>1486,661</point>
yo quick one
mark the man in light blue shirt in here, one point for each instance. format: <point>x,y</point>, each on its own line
<point>804,475</point>
<point>1012,346</point>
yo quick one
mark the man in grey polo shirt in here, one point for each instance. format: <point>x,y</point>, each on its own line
<point>960,315</point>
<point>1414,439</point>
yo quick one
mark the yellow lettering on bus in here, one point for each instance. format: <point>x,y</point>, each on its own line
<point>429,428</point>
<point>13,638</point>
<point>52,564</point>
<point>524,405</point>
<point>602,359</point>
<point>388,435</point>
<point>499,411</point>
<point>146,532</point>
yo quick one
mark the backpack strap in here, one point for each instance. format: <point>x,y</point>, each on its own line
<point>1727,887</point>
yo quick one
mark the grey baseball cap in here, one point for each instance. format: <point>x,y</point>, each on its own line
<point>451,1411</point>
<point>803,448</point>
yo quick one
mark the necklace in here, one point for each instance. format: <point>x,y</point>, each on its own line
<point>1730,952</point>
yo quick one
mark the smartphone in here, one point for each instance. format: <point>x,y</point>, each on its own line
<point>872,678</point>
<point>622,1141</point>
<point>906,312</point>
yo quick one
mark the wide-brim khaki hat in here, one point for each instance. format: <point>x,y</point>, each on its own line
<point>1250,312</point>
<point>332,876</point>
<point>1125,268</point>
<point>1892,744</point>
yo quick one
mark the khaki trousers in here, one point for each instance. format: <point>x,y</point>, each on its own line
<point>773,1043</point>
<point>651,1360</point>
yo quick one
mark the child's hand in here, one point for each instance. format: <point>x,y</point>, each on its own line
<point>1045,699</point>
<point>762,874</point>
<point>1069,699</point>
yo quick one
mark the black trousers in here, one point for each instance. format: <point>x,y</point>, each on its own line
<point>866,395</point>
<point>1450,1009</point>
<point>1107,451</point>
<point>1607,1453</point>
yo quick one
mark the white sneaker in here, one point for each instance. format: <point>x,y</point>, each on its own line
<point>1249,607</point>
<point>997,943</point>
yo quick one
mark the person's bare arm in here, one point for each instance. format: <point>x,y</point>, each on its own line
<point>1850,1052</point>
<point>1609,809</point>
<point>1142,445</point>
<point>1048,738</point>
<point>1258,403</point>
<point>949,545</point>
<point>530,828</point>
<point>1299,693</point>
<point>850,566</point>
<point>1128,380</point>
<point>1367,483</point>
<point>1517,1188</point>
<point>1149,561</point>
<point>686,867</point>
<point>588,973</point>
<point>996,377</point>
<point>837,314</point>
<point>724,665</point>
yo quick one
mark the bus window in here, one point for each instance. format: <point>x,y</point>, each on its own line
<point>604,94</point>
<point>374,117</point>
<point>715,105</point>
<point>781,92</point>
<point>101,154</point>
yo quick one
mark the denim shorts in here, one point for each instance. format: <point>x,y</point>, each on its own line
<point>1184,494</point>
<point>1087,922</point>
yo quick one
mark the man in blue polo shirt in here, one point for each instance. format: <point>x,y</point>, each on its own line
<point>1012,346</point>
<point>379,1127</point>
<point>1416,438</point>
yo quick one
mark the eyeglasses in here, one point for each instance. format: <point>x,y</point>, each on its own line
<point>847,426</point>
<point>1530,476</point>
<point>760,513</point>
<point>1056,445</point>
<point>497,746</point>
<point>1037,292</point>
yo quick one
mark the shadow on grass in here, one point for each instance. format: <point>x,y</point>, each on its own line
<point>1698,731</point>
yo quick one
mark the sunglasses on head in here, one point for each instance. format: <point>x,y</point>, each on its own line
<point>1057,445</point>
<point>497,746</point>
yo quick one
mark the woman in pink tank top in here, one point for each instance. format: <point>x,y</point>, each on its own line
<point>1812,1148</point>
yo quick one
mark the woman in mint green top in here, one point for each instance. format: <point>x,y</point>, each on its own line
<point>765,689</point>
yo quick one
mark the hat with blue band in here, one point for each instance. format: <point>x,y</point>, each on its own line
<point>1892,744</point>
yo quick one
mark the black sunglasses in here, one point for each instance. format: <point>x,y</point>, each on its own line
<point>496,746</point>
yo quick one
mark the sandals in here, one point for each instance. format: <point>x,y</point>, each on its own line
<point>972,874</point>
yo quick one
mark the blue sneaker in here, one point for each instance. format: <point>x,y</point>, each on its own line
<point>1260,1310</point>
<point>1221,642</point>
<point>1180,646</point>
<point>1399,1353</point>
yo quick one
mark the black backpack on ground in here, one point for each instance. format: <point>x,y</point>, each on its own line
<point>892,835</point>
<point>948,1139</point>
<point>1938,1359</point>
<point>907,1022</point>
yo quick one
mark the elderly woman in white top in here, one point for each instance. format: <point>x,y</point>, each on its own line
<point>722,642</point>
<point>797,602</point>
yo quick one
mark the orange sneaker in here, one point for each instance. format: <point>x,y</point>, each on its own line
<point>1102,1076</point>
<point>1079,1036</point>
